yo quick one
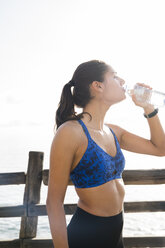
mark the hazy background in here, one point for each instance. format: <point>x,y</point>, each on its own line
<point>41,44</point>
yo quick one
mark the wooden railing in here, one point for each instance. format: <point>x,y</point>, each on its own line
<point>31,209</point>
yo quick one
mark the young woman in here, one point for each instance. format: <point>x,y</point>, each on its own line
<point>88,151</point>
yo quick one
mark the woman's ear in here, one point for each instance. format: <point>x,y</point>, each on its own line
<point>96,85</point>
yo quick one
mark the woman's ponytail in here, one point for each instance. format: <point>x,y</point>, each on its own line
<point>66,105</point>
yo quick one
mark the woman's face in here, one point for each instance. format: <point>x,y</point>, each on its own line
<point>113,87</point>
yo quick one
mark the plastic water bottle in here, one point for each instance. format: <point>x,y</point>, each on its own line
<point>146,95</point>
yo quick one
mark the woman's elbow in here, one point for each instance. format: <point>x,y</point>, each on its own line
<point>161,152</point>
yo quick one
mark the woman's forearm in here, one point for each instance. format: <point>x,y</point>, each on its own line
<point>156,130</point>
<point>57,221</point>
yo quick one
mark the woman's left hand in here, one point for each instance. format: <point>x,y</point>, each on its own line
<point>142,104</point>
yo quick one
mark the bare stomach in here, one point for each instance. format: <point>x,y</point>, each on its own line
<point>104,200</point>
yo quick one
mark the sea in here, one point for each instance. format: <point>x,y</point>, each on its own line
<point>18,139</point>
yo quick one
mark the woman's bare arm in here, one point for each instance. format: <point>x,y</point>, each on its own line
<point>62,153</point>
<point>134,143</point>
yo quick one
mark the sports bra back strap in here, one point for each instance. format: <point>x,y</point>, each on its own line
<point>85,128</point>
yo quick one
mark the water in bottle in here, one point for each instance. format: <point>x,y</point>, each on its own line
<point>146,95</point>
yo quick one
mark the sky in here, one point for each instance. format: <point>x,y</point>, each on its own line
<point>42,43</point>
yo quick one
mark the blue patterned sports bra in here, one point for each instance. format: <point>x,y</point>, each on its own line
<point>97,167</point>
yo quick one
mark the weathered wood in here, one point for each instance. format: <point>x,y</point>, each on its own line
<point>148,206</point>
<point>38,243</point>
<point>14,243</point>
<point>129,242</point>
<point>130,177</point>
<point>32,194</point>
<point>13,211</point>
<point>137,177</point>
<point>12,178</point>
<point>37,210</point>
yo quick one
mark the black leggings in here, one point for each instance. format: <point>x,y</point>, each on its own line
<point>86,230</point>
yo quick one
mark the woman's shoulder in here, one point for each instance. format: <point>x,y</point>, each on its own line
<point>70,130</point>
<point>69,126</point>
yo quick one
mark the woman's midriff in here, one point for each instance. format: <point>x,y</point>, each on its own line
<point>104,200</point>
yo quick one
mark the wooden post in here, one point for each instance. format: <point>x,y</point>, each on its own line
<point>32,194</point>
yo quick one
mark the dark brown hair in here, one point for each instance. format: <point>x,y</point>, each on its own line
<point>84,75</point>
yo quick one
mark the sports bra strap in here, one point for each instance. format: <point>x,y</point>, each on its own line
<point>85,128</point>
<point>114,135</point>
